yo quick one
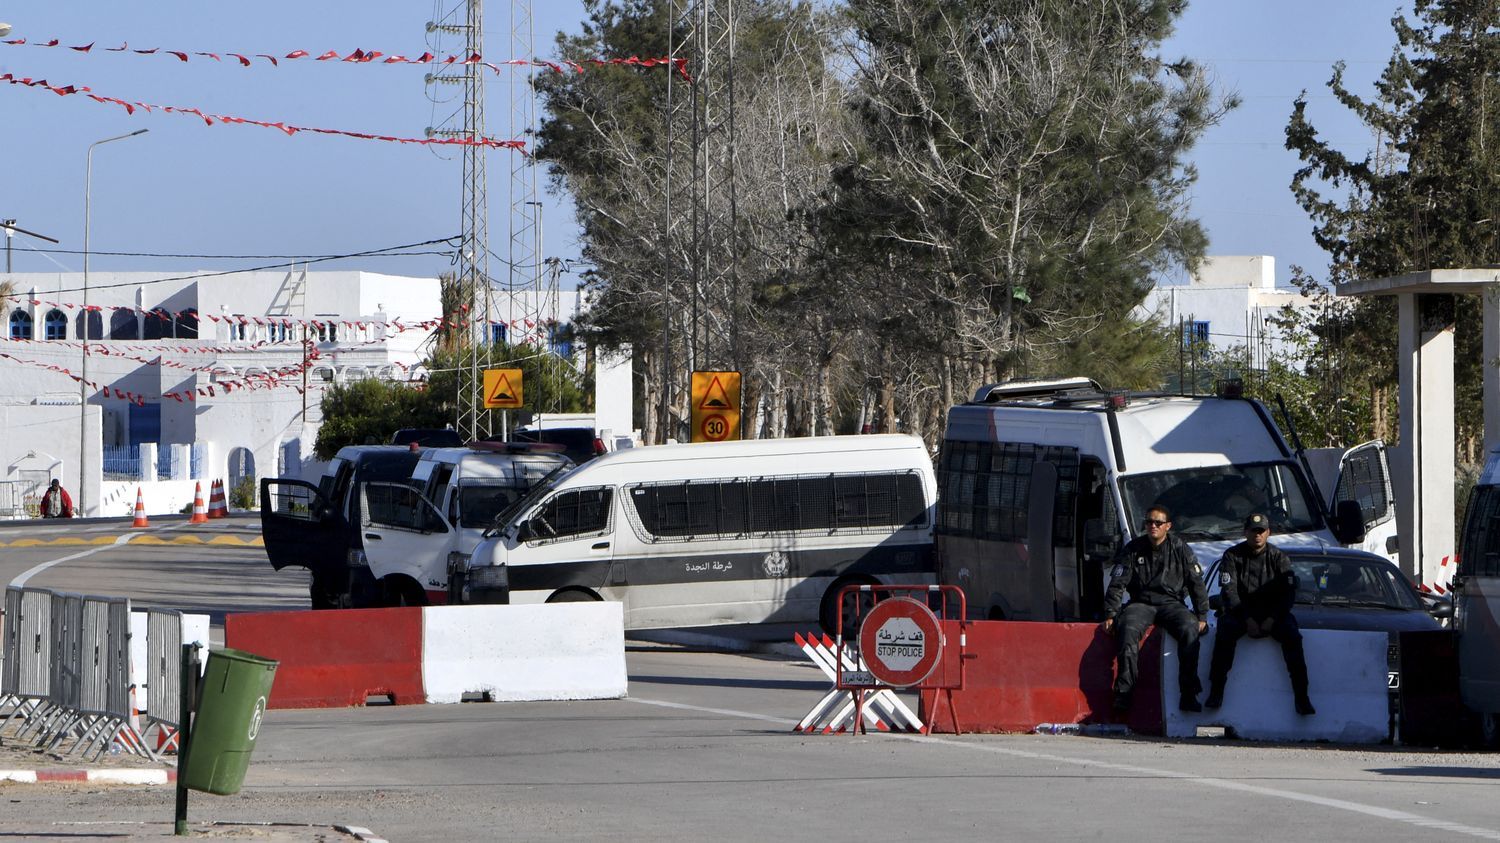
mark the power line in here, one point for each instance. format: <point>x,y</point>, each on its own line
<point>298,258</point>
<point>195,276</point>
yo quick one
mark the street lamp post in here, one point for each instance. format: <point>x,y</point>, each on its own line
<point>83,388</point>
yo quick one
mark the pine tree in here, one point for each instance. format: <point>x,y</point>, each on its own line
<point>1424,197</point>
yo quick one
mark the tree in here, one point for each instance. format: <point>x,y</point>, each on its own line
<point>1030,156</point>
<point>370,411</point>
<point>1424,196</point>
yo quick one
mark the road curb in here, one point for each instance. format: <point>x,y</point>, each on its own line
<point>107,776</point>
<point>360,833</point>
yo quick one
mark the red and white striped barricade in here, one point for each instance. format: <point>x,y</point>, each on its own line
<point>900,643</point>
<point>835,711</point>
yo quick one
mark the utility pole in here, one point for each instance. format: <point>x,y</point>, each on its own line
<point>10,232</point>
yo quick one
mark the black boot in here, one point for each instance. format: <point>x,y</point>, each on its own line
<point>1189,702</point>
<point>1305,706</point>
<point>1215,696</point>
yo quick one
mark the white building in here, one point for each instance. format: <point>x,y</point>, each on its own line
<point>233,364</point>
<point>1228,303</point>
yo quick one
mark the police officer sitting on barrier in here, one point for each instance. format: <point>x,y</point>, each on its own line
<point>1257,587</point>
<point>1158,571</point>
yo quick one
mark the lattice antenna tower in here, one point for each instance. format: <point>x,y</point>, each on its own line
<point>472,420</point>
<point>704,300</point>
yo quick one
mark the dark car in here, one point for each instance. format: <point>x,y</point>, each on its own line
<point>1352,589</point>
<point>1342,588</point>
<point>428,437</point>
<point>581,444</point>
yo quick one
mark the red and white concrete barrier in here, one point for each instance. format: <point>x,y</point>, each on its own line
<point>439,654</point>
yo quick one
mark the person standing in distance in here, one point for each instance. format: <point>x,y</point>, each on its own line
<point>55,501</point>
<point>1158,571</point>
<point>1257,588</point>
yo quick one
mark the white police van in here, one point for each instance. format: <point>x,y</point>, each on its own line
<point>1040,483</point>
<point>414,531</point>
<point>718,533</point>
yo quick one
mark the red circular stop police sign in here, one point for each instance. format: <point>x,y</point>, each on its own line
<point>900,641</point>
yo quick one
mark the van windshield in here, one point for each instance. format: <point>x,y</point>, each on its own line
<point>1211,503</point>
<point>480,503</point>
<point>502,520</point>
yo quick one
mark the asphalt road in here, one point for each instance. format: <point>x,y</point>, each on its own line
<point>702,749</point>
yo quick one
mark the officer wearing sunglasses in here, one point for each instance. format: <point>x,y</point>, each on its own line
<point>1159,572</point>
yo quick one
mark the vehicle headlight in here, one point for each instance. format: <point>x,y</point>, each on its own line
<point>489,576</point>
<point>356,559</point>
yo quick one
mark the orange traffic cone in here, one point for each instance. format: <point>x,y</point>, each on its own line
<point>200,514</point>
<point>217,506</point>
<point>140,510</point>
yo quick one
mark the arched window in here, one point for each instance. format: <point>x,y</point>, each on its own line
<point>20,325</point>
<point>55,325</point>
<point>158,325</point>
<point>90,323</point>
<point>123,325</point>
<point>187,324</point>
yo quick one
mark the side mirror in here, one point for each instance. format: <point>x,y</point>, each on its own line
<point>1349,523</point>
<point>1439,607</point>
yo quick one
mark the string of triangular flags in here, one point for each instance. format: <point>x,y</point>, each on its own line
<point>210,119</point>
<point>164,315</point>
<point>361,56</point>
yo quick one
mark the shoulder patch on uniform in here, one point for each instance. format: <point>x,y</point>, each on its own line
<point>1225,579</point>
<point>1197,569</point>
<point>1119,571</point>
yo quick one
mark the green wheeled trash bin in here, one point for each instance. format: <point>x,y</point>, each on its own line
<point>231,706</point>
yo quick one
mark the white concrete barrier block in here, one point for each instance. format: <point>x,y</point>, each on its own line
<point>195,631</point>
<point>1347,684</point>
<point>138,660</point>
<point>549,651</point>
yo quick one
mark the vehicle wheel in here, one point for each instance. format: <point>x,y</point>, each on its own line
<point>572,595</point>
<point>829,608</point>
<point>400,591</point>
<point>323,597</point>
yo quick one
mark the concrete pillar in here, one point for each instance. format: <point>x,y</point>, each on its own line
<point>147,454</point>
<point>1425,326</point>
<point>182,462</point>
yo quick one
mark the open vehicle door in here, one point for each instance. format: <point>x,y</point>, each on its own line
<point>407,541</point>
<point>1365,479</point>
<point>299,527</point>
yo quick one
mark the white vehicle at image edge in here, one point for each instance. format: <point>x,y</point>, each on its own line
<point>718,533</point>
<point>414,532</point>
<point>1041,482</point>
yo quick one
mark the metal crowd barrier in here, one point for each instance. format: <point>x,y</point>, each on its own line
<point>26,678</point>
<point>164,675</point>
<point>65,672</point>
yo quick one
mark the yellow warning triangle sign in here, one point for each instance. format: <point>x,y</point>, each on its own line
<point>715,398</point>
<point>504,393</point>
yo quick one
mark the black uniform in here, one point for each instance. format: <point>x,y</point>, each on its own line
<point>1158,579</point>
<point>1259,587</point>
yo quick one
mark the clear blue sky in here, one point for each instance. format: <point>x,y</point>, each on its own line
<point>189,188</point>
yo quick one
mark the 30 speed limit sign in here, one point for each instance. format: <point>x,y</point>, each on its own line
<point>715,428</point>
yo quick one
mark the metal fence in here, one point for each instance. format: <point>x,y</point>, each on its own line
<point>122,462</point>
<point>65,673</point>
